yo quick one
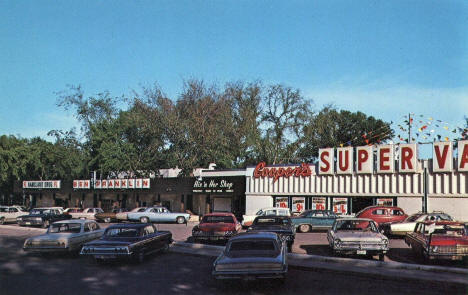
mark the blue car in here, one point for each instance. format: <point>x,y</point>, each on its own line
<point>158,214</point>
<point>314,220</point>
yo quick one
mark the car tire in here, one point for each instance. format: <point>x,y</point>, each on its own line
<point>107,220</point>
<point>144,219</point>
<point>180,220</point>
<point>2,221</point>
<point>165,248</point>
<point>45,224</point>
<point>305,228</point>
<point>382,257</point>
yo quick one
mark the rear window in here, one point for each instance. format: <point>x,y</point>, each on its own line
<point>379,212</point>
<point>397,212</point>
<point>122,232</point>
<point>271,221</point>
<point>217,219</point>
<point>253,246</point>
<point>65,228</point>
<point>413,217</point>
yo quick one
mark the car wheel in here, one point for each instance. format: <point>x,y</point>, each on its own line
<point>2,220</point>
<point>381,257</point>
<point>107,220</point>
<point>45,224</point>
<point>165,248</point>
<point>305,228</point>
<point>180,220</point>
<point>144,219</point>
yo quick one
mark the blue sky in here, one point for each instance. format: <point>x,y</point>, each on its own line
<point>385,58</point>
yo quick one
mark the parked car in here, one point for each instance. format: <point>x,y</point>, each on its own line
<point>383,215</point>
<point>280,225</point>
<point>109,216</point>
<point>64,236</point>
<point>123,216</point>
<point>357,236</point>
<point>259,255</point>
<point>72,210</point>
<point>10,213</point>
<point>271,211</point>
<point>42,217</point>
<point>87,213</point>
<point>408,225</point>
<point>158,214</point>
<point>128,241</point>
<point>439,240</point>
<point>314,220</point>
<point>216,226</point>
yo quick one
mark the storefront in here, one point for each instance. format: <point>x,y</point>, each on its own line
<point>372,177</point>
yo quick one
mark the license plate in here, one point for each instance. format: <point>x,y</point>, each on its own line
<point>104,256</point>
<point>361,252</point>
<point>28,223</point>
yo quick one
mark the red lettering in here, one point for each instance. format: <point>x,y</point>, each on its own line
<point>276,173</point>
<point>464,157</point>
<point>441,159</point>
<point>383,159</point>
<point>289,172</point>
<point>258,169</point>
<point>406,155</point>
<point>123,182</point>
<point>340,163</point>
<point>75,183</point>
<point>363,156</point>
<point>325,161</point>
<point>145,183</point>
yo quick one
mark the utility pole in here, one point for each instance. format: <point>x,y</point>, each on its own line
<point>409,128</point>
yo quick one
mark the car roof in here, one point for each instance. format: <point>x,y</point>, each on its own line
<point>253,235</point>
<point>81,221</point>
<point>354,219</point>
<point>274,208</point>
<point>219,214</point>
<point>445,222</point>
<point>273,217</point>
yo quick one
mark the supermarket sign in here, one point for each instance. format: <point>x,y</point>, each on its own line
<point>41,184</point>
<point>385,159</point>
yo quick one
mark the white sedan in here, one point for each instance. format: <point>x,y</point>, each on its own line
<point>407,226</point>
<point>9,213</point>
<point>64,236</point>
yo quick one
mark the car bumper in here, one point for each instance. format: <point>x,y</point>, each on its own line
<point>366,252</point>
<point>30,223</point>
<point>447,256</point>
<point>46,249</point>
<point>250,274</point>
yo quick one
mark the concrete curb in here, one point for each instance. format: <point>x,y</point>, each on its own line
<point>395,270</point>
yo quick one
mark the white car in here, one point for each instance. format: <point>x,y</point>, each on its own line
<point>271,211</point>
<point>9,213</point>
<point>407,226</point>
<point>87,213</point>
<point>65,236</point>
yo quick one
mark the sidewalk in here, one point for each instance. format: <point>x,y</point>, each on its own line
<point>394,270</point>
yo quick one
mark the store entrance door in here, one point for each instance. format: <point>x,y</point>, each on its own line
<point>222,205</point>
<point>360,203</point>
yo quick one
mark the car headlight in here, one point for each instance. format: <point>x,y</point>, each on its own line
<point>337,243</point>
<point>434,248</point>
<point>38,219</point>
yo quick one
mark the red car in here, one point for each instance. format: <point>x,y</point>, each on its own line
<point>439,240</point>
<point>216,226</point>
<point>383,215</point>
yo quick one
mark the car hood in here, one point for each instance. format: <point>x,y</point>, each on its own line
<point>113,242</point>
<point>221,226</point>
<point>260,258</point>
<point>358,235</point>
<point>52,237</point>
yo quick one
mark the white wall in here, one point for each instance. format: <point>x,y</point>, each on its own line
<point>455,207</point>
<point>254,203</point>
<point>410,205</point>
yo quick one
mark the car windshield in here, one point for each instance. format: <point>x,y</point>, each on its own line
<point>445,217</point>
<point>413,217</point>
<point>260,212</point>
<point>304,214</point>
<point>217,219</point>
<point>3,209</point>
<point>450,230</point>
<point>40,211</point>
<point>122,232</point>
<point>356,225</point>
<point>65,228</point>
<point>252,248</point>
<point>271,221</point>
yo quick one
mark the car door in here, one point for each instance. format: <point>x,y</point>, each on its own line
<point>329,219</point>
<point>12,214</point>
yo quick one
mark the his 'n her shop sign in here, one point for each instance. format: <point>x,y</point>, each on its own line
<point>385,159</point>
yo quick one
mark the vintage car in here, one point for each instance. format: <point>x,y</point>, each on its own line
<point>255,255</point>
<point>123,216</point>
<point>439,240</point>
<point>280,225</point>
<point>271,211</point>
<point>64,236</point>
<point>384,216</point>
<point>10,213</point>
<point>158,214</point>
<point>110,216</point>
<point>216,226</point>
<point>408,225</point>
<point>314,220</point>
<point>87,213</point>
<point>357,236</point>
<point>42,217</point>
<point>128,241</point>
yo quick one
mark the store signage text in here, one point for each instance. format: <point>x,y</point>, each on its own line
<point>276,172</point>
<point>84,184</point>
<point>213,186</point>
<point>122,183</point>
<point>40,184</point>
<point>385,158</point>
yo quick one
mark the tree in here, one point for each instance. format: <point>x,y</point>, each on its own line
<point>333,128</point>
